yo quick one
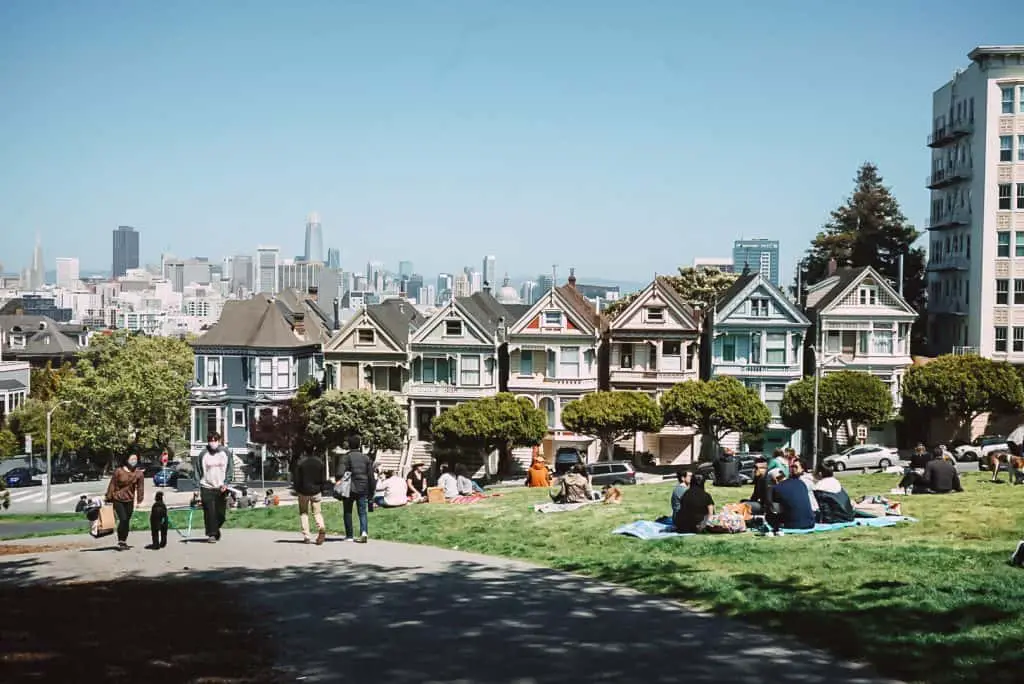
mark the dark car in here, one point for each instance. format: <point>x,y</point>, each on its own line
<point>746,468</point>
<point>566,458</point>
<point>611,473</point>
<point>23,477</point>
<point>168,476</point>
<point>75,472</point>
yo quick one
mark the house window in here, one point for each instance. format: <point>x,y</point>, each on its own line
<point>489,371</point>
<point>1000,338</point>
<point>569,362</point>
<point>833,343</point>
<point>205,422</point>
<point>284,373</point>
<point>773,399</point>
<point>1004,195</point>
<point>18,341</point>
<point>1020,186</point>
<point>1003,243</point>
<point>671,348</point>
<point>470,370</point>
<point>453,328</point>
<point>755,347</point>
<point>436,371</point>
<point>1018,339</point>
<point>552,319</point>
<point>1007,94</point>
<point>213,374</point>
<point>775,349</point>
<point>728,348</point>
<point>1005,148</point>
<point>266,373</point>
<point>551,364</point>
<point>759,308</point>
<point>525,362</point>
<point>652,356</point>
<point>387,378</point>
<point>626,356</point>
<point>691,355</point>
<point>1002,291</point>
<point>655,314</point>
<point>881,341</point>
<point>1018,290</point>
<point>365,336</point>
<point>867,296</point>
<point>1020,144</point>
<point>200,370</point>
<point>547,405</point>
<point>238,417</point>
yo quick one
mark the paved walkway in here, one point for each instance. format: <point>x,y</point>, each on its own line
<point>407,614</point>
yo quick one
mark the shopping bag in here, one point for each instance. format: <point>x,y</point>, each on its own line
<point>105,523</point>
<point>343,489</point>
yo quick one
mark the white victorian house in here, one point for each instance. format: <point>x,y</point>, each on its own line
<point>553,350</point>
<point>861,323</point>
<point>653,344</point>
<point>755,334</point>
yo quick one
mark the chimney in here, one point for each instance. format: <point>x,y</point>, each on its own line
<point>487,287</point>
<point>572,278</point>
<point>299,324</point>
<point>337,314</point>
<point>313,291</point>
<point>833,266</point>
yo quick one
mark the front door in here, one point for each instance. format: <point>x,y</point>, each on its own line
<point>423,418</point>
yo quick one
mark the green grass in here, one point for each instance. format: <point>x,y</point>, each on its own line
<point>932,601</point>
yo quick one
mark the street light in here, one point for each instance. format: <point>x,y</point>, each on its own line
<point>49,456</point>
<point>819,363</point>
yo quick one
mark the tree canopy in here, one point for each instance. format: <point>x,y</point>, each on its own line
<point>287,434</point>
<point>869,229</point>
<point>501,422</point>
<point>611,416</point>
<point>9,444</point>
<point>842,396</point>
<point>47,381</point>
<point>716,407</point>
<point>698,287</point>
<point>962,388</point>
<point>374,416</point>
<point>30,419</point>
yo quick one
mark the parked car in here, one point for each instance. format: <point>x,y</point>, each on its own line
<point>75,472</point>
<point>168,476</point>
<point>746,468</point>
<point>566,458</point>
<point>611,473</point>
<point>980,448</point>
<point>23,477</point>
<point>863,456</point>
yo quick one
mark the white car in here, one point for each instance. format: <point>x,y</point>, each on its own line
<point>863,456</point>
<point>981,448</point>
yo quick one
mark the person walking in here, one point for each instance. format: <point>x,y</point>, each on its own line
<point>309,485</point>
<point>126,487</point>
<point>213,490</point>
<point>361,468</point>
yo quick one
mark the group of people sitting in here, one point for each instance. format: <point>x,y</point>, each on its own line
<point>931,473</point>
<point>392,490</point>
<point>785,496</point>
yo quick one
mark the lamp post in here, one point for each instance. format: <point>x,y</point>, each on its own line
<point>819,363</point>
<point>49,455</point>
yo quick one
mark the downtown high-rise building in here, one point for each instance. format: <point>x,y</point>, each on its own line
<point>528,292</point>
<point>314,238</point>
<point>759,255</point>
<point>126,251</point>
<point>67,272</point>
<point>544,284</point>
<point>490,273</point>
<point>334,258</point>
<point>414,286</point>
<point>461,287</point>
<point>445,282</point>
<point>265,269</point>
<point>37,272</point>
<point>404,268</point>
<point>241,273</point>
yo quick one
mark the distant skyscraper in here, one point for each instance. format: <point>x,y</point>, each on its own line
<point>476,281</point>
<point>241,273</point>
<point>299,275</point>
<point>544,283</point>
<point>334,258</point>
<point>428,296</point>
<point>37,272</point>
<point>404,268</point>
<point>314,238</point>
<point>414,286</point>
<point>67,272</point>
<point>528,292</point>
<point>461,286</point>
<point>444,282</point>
<point>759,255</point>
<point>265,273</point>
<point>126,251</point>
<point>489,273</point>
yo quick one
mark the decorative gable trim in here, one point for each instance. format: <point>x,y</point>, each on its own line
<point>451,310</point>
<point>552,300</point>
<point>879,282</point>
<point>362,320</point>
<point>776,295</point>
<point>643,299</point>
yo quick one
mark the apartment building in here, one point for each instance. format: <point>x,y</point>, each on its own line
<point>976,226</point>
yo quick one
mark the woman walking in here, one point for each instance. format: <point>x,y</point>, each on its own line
<point>125,488</point>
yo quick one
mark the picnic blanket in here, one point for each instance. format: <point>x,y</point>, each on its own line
<point>470,499</point>
<point>882,521</point>
<point>557,507</point>
<point>661,529</point>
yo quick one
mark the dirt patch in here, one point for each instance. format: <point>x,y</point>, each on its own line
<point>132,631</point>
<point>18,549</point>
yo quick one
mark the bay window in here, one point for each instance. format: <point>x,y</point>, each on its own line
<point>213,374</point>
<point>525,362</point>
<point>436,371</point>
<point>204,422</point>
<point>626,355</point>
<point>881,341</point>
<point>775,349</point>
<point>569,362</point>
<point>728,348</point>
<point>755,348</point>
<point>284,373</point>
<point>470,370</point>
<point>547,405</point>
<point>266,373</point>
<point>773,399</point>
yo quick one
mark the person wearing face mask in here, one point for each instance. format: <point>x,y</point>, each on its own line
<point>213,490</point>
<point>125,488</point>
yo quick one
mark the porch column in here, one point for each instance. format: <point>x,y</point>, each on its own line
<point>437,408</point>
<point>412,420</point>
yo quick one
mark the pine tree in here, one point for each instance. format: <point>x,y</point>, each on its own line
<point>870,230</point>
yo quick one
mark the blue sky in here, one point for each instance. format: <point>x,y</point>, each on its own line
<point>622,138</point>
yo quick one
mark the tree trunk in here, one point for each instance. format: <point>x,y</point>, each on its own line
<point>504,459</point>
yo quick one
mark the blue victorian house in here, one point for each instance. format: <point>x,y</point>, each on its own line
<point>252,361</point>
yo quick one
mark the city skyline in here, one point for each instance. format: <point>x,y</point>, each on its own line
<point>453,152</point>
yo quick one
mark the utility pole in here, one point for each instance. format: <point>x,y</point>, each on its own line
<point>49,454</point>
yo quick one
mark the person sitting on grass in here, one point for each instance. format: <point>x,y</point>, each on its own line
<point>538,475</point>
<point>683,478</point>
<point>575,487</point>
<point>695,507</point>
<point>834,503</point>
<point>465,484</point>
<point>759,497</point>
<point>416,483</point>
<point>779,461</point>
<point>395,491</point>
<point>798,472</point>
<point>448,483</point>
<point>788,504</point>
<point>939,477</point>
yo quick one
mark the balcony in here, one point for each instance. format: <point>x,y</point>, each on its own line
<point>945,177</point>
<point>442,391</point>
<point>280,394</point>
<point>941,137</point>
<point>955,219</point>
<point>769,371</point>
<point>539,382</point>
<point>965,351</point>
<point>949,263</point>
<point>209,392</point>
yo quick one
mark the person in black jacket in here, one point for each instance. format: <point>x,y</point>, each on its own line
<point>309,482</point>
<point>361,468</point>
<point>759,496</point>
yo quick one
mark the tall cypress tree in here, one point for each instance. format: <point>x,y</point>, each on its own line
<point>869,229</point>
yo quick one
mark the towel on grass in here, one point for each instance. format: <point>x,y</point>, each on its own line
<point>557,507</point>
<point>662,528</point>
<point>468,499</point>
<point>649,529</point>
<point>883,521</point>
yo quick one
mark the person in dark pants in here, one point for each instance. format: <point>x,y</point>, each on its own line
<point>158,522</point>
<point>126,487</point>
<point>213,490</point>
<point>789,505</point>
<point>361,467</point>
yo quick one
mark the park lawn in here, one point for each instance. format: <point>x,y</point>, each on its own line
<point>932,601</point>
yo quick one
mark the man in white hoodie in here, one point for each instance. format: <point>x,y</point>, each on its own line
<point>213,490</point>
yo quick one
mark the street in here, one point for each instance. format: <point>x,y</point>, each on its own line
<point>30,500</point>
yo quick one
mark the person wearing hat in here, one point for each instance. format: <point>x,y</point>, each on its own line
<point>416,482</point>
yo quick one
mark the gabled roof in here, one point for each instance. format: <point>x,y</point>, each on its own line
<point>43,335</point>
<point>395,317</point>
<point>488,312</point>
<point>835,287</point>
<point>257,323</point>
<point>746,285</point>
<point>317,323</point>
<point>730,293</point>
<point>580,305</point>
<point>663,287</point>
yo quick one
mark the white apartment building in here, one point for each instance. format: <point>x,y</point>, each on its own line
<point>67,272</point>
<point>976,228</point>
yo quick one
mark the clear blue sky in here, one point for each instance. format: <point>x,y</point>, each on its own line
<point>621,137</point>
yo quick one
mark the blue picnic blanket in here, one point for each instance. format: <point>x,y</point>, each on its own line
<point>662,529</point>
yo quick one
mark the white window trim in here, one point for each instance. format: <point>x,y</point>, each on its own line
<point>290,372</point>
<point>867,292</point>
<point>544,323</point>
<point>579,363</point>
<point>660,318</point>
<point>479,370</point>
<point>235,420</point>
<point>258,380</point>
<point>18,341</point>
<point>208,380</point>
<point>373,337</point>
<point>462,327</point>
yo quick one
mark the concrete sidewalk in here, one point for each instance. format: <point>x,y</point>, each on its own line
<point>410,614</point>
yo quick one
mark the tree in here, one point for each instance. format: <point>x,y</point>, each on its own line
<point>962,388</point>
<point>9,444</point>
<point>374,416</point>
<point>287,434</point>
<point>501,422</point>
<point>843,396</point>
<point>870,230</point>
<point>715,408</point>
<point>129,391</point>
<point>46,382</point>
<point>30,419</point>
<point>611,416</point>
<point>698,287</point>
